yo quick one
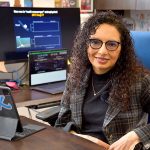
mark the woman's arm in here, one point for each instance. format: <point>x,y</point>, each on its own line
<point>127,142</point>
<point>65,112</point>
<point>144,131</point>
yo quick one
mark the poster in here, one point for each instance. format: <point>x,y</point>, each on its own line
<point>70,3</point>
<point>86,6</point>
<point>4,4</point>
<point>28,3</point>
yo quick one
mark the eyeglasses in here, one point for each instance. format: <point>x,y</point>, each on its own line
<point>97,44</point>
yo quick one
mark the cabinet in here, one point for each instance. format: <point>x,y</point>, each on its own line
<point>143,5</point>
<point>115,4</point>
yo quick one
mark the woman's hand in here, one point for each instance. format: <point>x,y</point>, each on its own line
<point>127,142</point>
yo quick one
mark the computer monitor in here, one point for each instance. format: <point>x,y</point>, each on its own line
<point>47,66</point>
<point>25,29</point>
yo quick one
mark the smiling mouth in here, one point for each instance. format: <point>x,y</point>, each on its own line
<point>101,60</point>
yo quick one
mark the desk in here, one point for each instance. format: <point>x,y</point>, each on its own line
<point>49,139</point>
<point>27,97</point>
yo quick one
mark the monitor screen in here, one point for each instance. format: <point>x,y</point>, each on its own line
<point>27,29</point>
<point>47,66</point>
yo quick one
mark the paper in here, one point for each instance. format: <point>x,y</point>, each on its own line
<point>2,67</point>
<point>43,3</point>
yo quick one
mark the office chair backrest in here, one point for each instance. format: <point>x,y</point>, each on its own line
<point>142,46</point>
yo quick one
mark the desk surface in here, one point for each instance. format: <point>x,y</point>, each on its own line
<point>27,97</point>
<point>49,139</point>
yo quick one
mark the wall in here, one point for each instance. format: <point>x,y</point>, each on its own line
<point>141,19</point>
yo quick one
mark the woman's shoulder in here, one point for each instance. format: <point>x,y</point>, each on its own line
<point>142,85</point>
<point>146,75</point>
<point>144,79</point>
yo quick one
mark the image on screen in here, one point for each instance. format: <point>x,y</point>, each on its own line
<point>47,66</point>
<point>34,33</point>
<point>24,29</point>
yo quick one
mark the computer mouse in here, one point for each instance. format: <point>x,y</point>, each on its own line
<point>12,85</point>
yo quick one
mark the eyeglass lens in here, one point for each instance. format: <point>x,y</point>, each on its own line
<point>110,45</point>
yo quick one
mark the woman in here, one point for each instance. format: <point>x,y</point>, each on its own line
<point>107,94</point>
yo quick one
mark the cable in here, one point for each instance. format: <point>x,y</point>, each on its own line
<point>25,70</point>
<point>25,74</point>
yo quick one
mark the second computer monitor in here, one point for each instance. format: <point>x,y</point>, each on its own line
<point>47,66</point>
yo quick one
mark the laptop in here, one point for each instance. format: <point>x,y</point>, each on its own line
<point>48,70</point>
<point>11,127</point>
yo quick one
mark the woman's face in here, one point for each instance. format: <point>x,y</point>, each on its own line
<point>103,59</point>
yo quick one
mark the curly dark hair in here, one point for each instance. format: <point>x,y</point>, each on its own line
<point>126,70</point>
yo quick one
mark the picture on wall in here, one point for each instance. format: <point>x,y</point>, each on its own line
<point>57,3</point>
<point>86,6</point>
<point>4,4</point>
<point>28,3</point>
<point>70,3</point>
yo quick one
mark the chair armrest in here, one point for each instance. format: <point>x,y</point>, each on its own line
<point>49,115</point>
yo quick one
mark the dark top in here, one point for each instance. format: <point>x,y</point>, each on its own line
<point>94,107</point>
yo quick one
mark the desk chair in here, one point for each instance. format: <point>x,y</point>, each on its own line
<point>142,48</point>
<point>50,115</point>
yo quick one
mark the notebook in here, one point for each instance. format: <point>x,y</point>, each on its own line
<point>11,127</point>
<point>48,70</point>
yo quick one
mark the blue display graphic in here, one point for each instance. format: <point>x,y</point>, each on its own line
<point>37,33</point>
<point>3,105</point>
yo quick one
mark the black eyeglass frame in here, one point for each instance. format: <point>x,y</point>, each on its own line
<point>90,41</point>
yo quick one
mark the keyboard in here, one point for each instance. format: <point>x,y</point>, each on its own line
<point>51,88</point>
